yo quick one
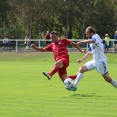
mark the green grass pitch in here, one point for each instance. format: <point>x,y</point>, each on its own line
<point>25,92</point>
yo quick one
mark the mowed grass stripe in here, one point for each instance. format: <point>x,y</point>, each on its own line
<point>25,92</point>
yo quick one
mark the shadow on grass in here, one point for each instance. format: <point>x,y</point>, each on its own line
<point>80,96</point>
<point>94,95</point>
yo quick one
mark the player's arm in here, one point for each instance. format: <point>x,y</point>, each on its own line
<point>86,41</point>
<point>87,55</point>
<point>76,46</point>
<point>38,48</point>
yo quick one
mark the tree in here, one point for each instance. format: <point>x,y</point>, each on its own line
<point>68,17</point>
<point>4,8</point>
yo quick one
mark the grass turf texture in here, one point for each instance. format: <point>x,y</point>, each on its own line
<point>25,92</point>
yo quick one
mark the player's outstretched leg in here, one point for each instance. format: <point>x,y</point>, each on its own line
<point>72,76</point>
<point>110,80</point>
<point>47,75</point>
<point>78,78</point>
<point>114,83</point>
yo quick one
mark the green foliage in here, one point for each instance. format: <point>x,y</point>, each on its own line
<point>102,21</point>
<point>18,32</point>
<point>72,16</point>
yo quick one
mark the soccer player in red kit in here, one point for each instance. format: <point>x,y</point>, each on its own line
<point>58,47</point>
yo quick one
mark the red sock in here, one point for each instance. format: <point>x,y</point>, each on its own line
<point>72,77</point>
<point>54,70</point>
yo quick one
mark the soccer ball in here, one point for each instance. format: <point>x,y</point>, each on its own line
<point>68,82</point>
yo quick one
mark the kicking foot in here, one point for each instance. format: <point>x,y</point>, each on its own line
<point>47,75</point>
<point>72,88</point>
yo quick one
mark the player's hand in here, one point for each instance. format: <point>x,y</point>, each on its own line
<point>83,51</point>
<point>78,43</point>
<point>33,45</point>
<point>79,60</point>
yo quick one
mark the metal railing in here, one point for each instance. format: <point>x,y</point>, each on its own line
<point>20,46</point>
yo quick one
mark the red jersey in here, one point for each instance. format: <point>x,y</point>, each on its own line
<point>59,49</point>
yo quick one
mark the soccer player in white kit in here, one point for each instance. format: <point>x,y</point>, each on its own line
<point>99,61</point>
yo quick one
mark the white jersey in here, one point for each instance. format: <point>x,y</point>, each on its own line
<point>97,49</point>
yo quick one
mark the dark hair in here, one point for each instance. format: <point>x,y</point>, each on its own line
<point>90,30</point>
<point>53,32</point>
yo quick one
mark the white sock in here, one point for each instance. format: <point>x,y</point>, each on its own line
<point>114,83</point>
<point>78,78</point>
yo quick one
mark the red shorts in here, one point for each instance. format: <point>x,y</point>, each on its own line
<point>63,70</point>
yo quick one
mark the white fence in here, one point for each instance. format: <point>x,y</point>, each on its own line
<point>20,46</point>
